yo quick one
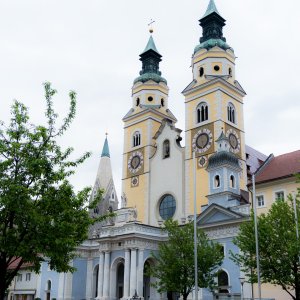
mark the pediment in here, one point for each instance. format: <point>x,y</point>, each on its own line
<point>217,214</point>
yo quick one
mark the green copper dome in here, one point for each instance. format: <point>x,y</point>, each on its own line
<point>221,158</point>
<point>212,43</point>
<point>150,59</point>
<point>105,150</point>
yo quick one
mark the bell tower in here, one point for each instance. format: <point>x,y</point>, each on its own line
<point>213,102</point>
<point>149,108</point>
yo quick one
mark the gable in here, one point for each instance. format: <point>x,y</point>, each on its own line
<point>216,217</point>
<point>217,214</point>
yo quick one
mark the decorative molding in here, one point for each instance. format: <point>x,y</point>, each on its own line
<point>222,232</point>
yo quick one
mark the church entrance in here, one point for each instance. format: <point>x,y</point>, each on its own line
<point>148,290</point>
<point>120,281</point>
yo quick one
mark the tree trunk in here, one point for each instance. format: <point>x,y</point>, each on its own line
<point>3,286</point>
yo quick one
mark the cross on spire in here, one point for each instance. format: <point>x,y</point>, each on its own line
<point>150,25</point>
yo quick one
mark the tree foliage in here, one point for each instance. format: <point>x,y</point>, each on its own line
<point>174,267</point>
<point>279,248</point>
<point>40,213</point>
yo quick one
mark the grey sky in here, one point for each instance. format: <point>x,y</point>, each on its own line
<point>93,46</point>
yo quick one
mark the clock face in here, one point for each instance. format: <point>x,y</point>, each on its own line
<point>202,140</point>
<point>234,140</point>
<point>135,162</point>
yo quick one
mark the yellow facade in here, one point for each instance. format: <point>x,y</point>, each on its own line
<point>215,86</point>
<point>146,118</point>
<point>268,191</point>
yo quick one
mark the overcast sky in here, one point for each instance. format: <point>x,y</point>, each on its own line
<point>93,47</point>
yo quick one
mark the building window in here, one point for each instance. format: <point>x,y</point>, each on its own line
<point>136,139</point>
<point>150,99</point>
<point>137,101</point>
<point>162,102</point>
<point>28,276</point>
<point>19,277</point>
<point>230,72</point>
<point>167,207</point>
<point>279,195</point>
<point>260,201</point>
<point>166,149</point>
<point>202,112</point>
<point>217,181</point>
<point>232,181</point>
<point>216,68</point>
<point>223,282</point>
<point>222,250</point>
<point>231,113</point>
<point>201,71</point>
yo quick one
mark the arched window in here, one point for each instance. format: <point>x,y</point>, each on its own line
<point>167,207</point>
<point>232,181</point>
<point>136,139</point>
<point>162,101</point>
<point>166,149</point>
<point>137,101</point>
<point>217,181</point>
<point>49,285</point>
<point>231,113</point>
<point>202,112</point>
<point>201,71</point>
<point>223,282</point>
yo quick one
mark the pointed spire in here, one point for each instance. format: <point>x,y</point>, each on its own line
<point>211,8</point>
<point>150,45</point>
<point>105,150</point>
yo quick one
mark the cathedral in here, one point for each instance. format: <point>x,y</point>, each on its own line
<point>162,177</point>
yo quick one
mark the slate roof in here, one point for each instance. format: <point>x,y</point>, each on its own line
<point>282,166</point>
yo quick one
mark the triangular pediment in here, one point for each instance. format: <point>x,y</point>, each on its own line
<point>217,214</point>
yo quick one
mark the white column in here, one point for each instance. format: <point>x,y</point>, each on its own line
<point>106,275</point>
<point>133,272</point>
<point>126,273</point>
<point>140,279</point>
<point>89,278</point>
<point>100,275</point>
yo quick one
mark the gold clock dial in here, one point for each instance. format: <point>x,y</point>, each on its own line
<point>135,162</point>
<point>234,140</point>
<point>202,140</point>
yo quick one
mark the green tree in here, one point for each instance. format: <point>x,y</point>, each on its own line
<point>279,248</point>
<point>174,267</point>
<point>40,213</point>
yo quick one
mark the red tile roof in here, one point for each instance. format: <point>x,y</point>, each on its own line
<point>15,263</point>
<point>281,166</point>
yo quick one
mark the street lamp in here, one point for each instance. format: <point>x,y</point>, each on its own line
<point>195,228</point>
<point>242,281</point>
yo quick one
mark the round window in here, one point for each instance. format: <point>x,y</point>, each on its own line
<point>167,207</point>
<point>217,68</point>
<point>150,99</point>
